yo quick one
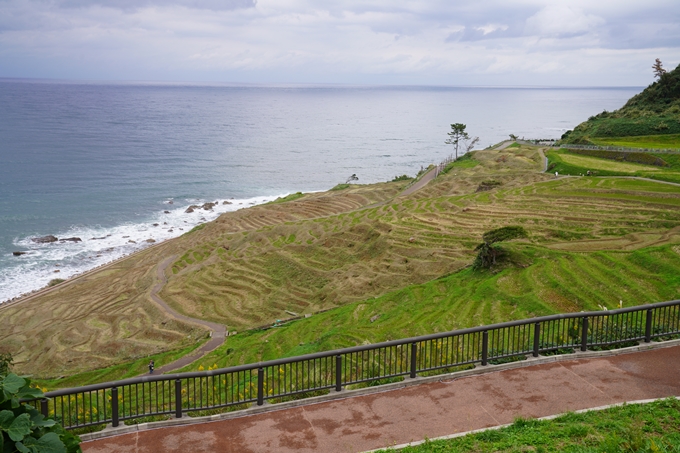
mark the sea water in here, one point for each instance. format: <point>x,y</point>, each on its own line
<point>105,162</point>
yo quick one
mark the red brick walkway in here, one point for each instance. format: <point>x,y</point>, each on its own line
<point>429,410</point>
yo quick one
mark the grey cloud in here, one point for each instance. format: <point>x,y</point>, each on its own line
<point>646,36</point>
<point>132,5</point>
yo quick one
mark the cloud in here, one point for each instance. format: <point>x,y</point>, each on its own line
<point>562,21</point>
<point>369,41</point>
<point>133,5</point>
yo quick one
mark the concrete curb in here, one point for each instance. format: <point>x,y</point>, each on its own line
<point>408,382</point>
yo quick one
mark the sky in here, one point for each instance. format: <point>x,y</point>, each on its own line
<point>371,42</point>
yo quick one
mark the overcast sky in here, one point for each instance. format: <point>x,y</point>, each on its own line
<point>426,42</point>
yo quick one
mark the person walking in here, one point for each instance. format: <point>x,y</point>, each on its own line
<point>151,365</point>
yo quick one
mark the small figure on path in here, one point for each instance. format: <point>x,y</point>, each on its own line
<point>151,365</point>
<point>556,174</point>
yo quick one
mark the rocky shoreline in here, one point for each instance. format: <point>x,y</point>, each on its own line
<point>140,243</point>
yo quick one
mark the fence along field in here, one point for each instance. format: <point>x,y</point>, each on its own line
<point>313,374</point>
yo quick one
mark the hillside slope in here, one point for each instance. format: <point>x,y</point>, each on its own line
<point>349,246</point>
<point>654,111</point>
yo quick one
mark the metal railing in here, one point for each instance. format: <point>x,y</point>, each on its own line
<point>298,377</point>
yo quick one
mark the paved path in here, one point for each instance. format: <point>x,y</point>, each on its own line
<point>427,177</point>
<point>429,410</point>
<point>218,331</point>
<point>503,145</point>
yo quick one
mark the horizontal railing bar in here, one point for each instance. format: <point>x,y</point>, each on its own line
<point>355,349</point>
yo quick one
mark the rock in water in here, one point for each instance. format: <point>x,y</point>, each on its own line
<point>226,202</point>
<point>74,239</point>
<point>150,241</point>
<point>208,206</point>
<point>18,253</point>
<point>45,239</point>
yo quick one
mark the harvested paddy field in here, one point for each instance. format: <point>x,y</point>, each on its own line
<point>362,252</point>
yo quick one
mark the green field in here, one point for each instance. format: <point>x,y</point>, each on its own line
<point>567,162</point>
<point>534,281</point>
<point>632,428</point>
<point>644,141</point>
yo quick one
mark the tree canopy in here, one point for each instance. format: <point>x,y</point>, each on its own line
<point>488,251</point>
<point>456,135</point>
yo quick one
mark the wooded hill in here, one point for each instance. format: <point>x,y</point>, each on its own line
<point>654,111</point>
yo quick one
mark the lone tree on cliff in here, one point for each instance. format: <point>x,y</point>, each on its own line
<point>659,71</point>
<point>488,251</point>
<point>459,137</point>
<point>456,135</point>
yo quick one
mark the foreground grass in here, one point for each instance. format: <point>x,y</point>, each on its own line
<point>652,427</point>
<point>644,141</point>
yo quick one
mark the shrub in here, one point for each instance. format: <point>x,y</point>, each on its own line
<point>23,428</point>
<point>488,185</point>
<point>488,251</point>
<point>55,281</point>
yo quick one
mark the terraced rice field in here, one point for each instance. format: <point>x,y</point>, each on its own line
<point>365,252</point>
<point>107,317</point>
<point>534,282</point>
<point>321,263</point>
<point>568,163</point>
<point>603,164</point>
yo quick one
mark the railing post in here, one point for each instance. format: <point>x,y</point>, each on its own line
<point>485,347</point>
<point>584,334</point>
<point>260,386</point>
<point>43,407</point>
<point>178,398</point>
<point>114,407</point>
<point>414,359</point>
<point>338,373</point>
<point>648,326</point>
<point>537,337</point>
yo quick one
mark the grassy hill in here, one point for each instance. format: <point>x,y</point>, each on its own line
<point>653,112</point>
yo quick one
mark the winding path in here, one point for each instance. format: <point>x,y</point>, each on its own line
<point>427,177</point>
<point>218,332</point>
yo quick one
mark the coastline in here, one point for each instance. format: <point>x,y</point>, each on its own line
<point>233,205</point>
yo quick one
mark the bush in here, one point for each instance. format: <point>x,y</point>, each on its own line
<point>24,428</point>
<point>488,252</point>
<point>488,185</point>
<point>55,281</point>
<point>402,178</point>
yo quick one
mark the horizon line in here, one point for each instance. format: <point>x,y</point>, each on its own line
<point>292,84</point>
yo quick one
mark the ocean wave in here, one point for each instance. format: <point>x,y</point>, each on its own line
<point>100,245</point>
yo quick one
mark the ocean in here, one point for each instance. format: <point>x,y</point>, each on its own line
<point>104,162</point>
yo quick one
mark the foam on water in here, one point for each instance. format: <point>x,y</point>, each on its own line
<point>101,245</point>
